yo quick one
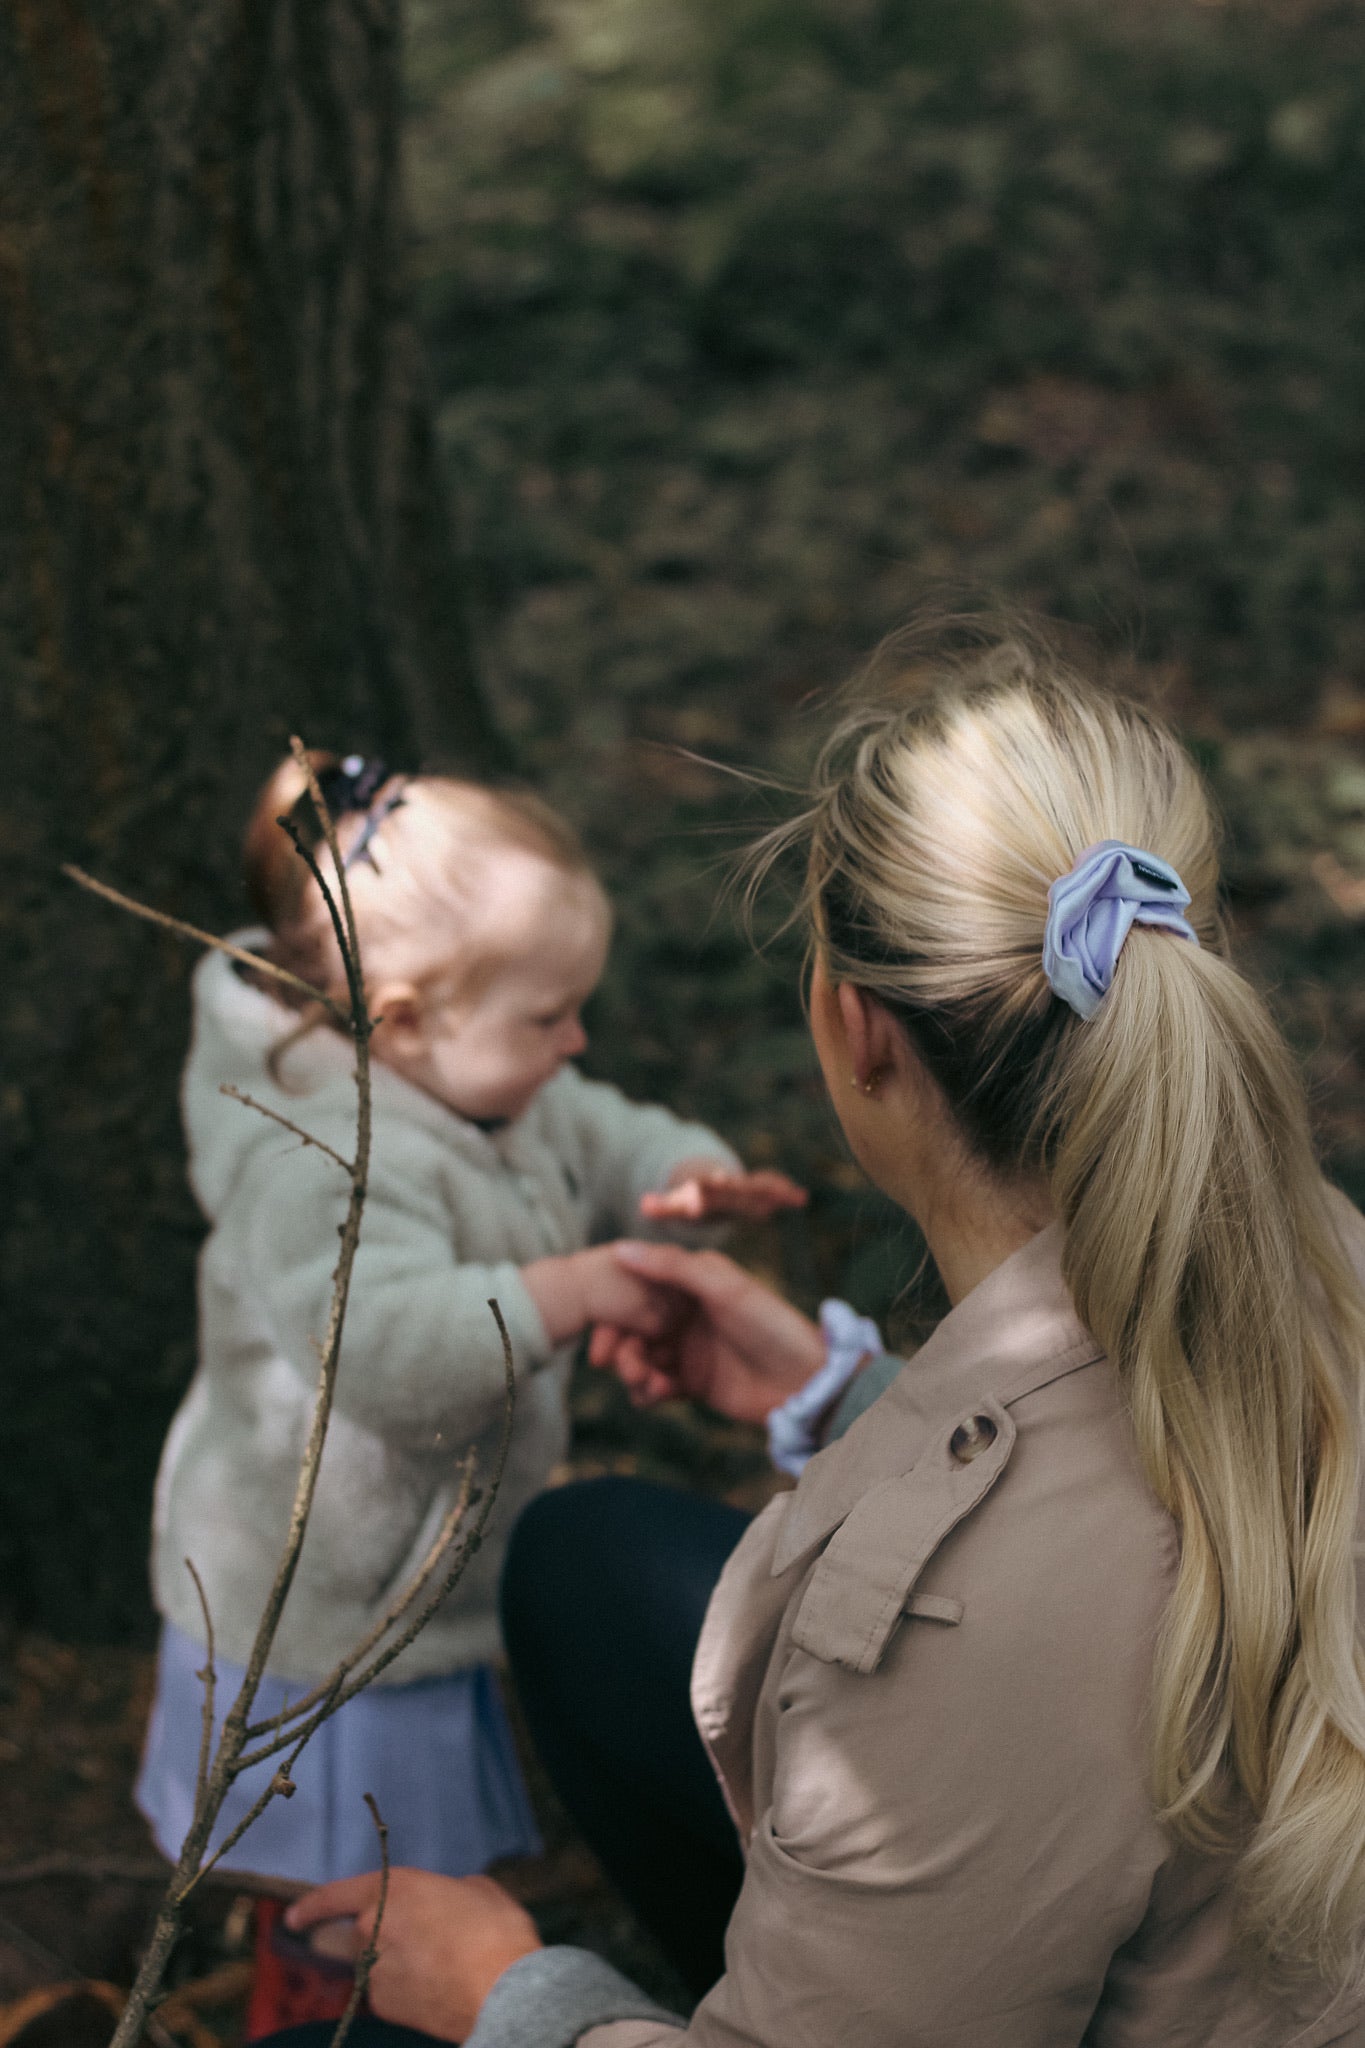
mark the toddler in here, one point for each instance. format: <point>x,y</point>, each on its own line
<point>496,1170</point>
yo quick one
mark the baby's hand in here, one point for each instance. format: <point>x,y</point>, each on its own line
<point>695,1193</point>
<point>578,1289</point>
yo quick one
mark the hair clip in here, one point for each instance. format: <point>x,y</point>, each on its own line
<point>362,849</point>
<point>352,784</point>
<point>348,787</point>
<point>1147,874</point>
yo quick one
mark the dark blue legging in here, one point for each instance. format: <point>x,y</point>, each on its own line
<point>603,1594</point>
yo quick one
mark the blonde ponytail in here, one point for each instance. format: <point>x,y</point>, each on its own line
<point>1202,1253</point>
<point>1202,1245</point>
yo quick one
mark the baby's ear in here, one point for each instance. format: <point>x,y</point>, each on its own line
<point>396,1007</point>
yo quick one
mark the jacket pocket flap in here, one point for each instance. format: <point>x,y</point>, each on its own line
<point>865,1577</point>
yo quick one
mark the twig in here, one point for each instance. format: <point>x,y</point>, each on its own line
<point>37,1951</point>
<point>223,1986</point>
<point>369,1955</point>
<point>419,1620</point>
<point>81,1869</point>
<point>209,1679</point>
<point>239,1095</point>
<point>190,931</point>
<point>359,1022</point>
<point>459,1509</point>
<point>231,1741</point>
<point>281,1786</point>
<point>57,1869</point>
<point>348,940</point>
<point>440,1569</point>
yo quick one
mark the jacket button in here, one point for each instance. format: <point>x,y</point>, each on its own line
<point>970,1439</point>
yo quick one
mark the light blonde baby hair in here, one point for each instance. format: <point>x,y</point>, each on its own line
<point>1201,1247</point>
<point>418,889</point>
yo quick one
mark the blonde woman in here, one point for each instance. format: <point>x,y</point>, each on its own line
<point>1038,1703</point>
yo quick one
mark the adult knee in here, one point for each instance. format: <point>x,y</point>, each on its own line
<point>566,1549</point>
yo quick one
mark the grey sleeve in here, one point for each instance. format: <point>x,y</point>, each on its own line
<point>554,1995</point>
<point>865,1388</point>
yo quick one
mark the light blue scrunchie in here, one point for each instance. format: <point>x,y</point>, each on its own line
<point>1091,911</point>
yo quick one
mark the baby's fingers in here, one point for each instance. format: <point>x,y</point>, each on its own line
<point>603,1343</point>
<point>684,1203</point>
<point>757,1194</point>
<point>752,1194</point>
<point>644,1381</point>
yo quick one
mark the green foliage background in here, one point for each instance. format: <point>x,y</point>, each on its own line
<point>759,325</point>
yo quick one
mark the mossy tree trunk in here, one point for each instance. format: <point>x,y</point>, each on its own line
<point>220,521</point>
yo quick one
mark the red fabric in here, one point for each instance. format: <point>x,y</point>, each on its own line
<point>285,1993</point>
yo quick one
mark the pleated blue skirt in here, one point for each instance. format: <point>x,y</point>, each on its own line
<point>437,1755</point>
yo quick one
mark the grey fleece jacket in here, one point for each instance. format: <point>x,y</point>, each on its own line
<point>453,1213</point>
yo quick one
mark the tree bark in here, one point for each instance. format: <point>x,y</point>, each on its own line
<point>221,520</point>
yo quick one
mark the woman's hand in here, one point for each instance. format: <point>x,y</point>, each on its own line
<point>733,1343</point>
<point>696,1191</point>
<point>443,1942</point>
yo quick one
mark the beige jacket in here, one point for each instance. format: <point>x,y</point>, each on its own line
<point>924,1682</point>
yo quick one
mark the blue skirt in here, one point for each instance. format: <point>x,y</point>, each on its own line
<point>437,1755</point>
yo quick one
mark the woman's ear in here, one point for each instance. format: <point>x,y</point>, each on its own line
<point>876,1044</point>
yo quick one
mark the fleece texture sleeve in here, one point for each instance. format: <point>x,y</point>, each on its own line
<point>627,1149</point>
<point>420,1352</point>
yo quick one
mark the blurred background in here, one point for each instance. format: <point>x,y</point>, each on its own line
<point>582,389</point>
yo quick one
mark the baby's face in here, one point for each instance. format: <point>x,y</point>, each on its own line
<point>489,1060</point>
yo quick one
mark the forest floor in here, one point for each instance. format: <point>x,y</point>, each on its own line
<point>758,327</point>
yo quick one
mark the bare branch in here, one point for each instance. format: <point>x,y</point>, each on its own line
<point>209,1678</point>
<point>83,1869</point>
<point>359,1024</point>
<point>465,1498</point>
<point>63,1869</point>
<point>293,1727</point>
<point>281,1786</point>
<point>424,1613</point>
<point>349,940</point>
<point>368,1956</point>
<point>225,1767</point>
<point>239,1095</point>
<point>190,931</point>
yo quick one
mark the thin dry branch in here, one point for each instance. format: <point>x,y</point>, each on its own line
<point>348,940</point>
<point>190,931</point>
<point>223,1770</point>
<point>240,1095</point>
<point>64,1869</point>
<point>369,1955</point>
<point>418,1620</point>
<point>439,1570</point>
<point>464,1500</point>
<point>359,1024</point>
<point>81,1870</point>
<point>208,1678</point>
<point>281,1786</point>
